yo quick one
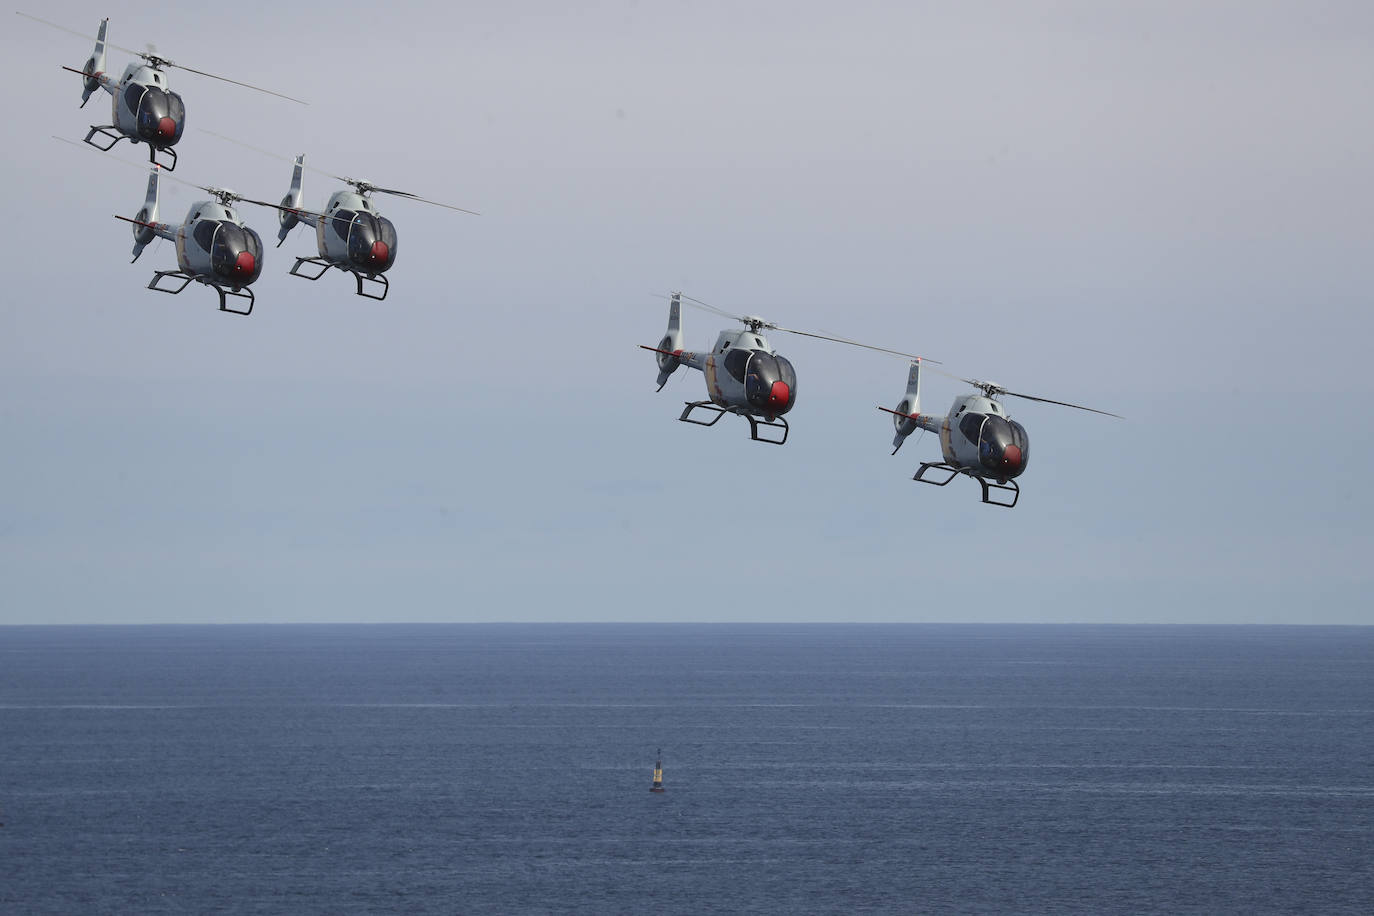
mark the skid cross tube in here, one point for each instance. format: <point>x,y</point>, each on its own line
<point>321,263</point>
<point>324,265</point>
<point>108,132</point>
<point>702,405</point>
<point>754,422</point>
<point>175,274</point>
<point>186,279</point>
<point>1011,486</point>
<point>379,279</point>
<point>104,132</point>
<point>152,157</point>
<point>237,294</point>
<point>929,465</point>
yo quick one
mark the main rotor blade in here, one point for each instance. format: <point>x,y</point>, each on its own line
<point>1030,397</point>
<point>141,166</point>
<point>236,82</point>
<point>110,44</point>
<point>90,38</point>
<point>263,203</point>
<point>258,149</point>
<point>855,343</point>
<point>710,308</point>
<point>410,196</point>
<point>777,327</point>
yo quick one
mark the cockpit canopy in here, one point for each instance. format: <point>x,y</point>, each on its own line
<point>160,114</point>
<point>770,382</point>
<point>235,253</point>
<point>371,239</point>
<point>1003,445</point>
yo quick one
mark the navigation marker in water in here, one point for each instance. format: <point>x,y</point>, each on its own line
<point>658,773</point>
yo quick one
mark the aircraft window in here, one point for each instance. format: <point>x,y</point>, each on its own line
<point>388,232</point>
<point>789,375</point>
<point>970,426</point>
<point>997,431</point>
<point>204,233</point>
<point>132,95</point>
<point>177,112</point>
<point>735,362</point>
<point>341,221</point>
<point>1021,439</point>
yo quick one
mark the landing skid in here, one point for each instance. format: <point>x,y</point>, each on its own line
<point>109,133</point>
<point>754,422</point>
<point>989,486</point>
<point>324,265</point>
<point>224,294</point>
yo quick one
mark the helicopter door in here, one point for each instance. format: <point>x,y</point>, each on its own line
<point>131,95</point>
<point>339,224</point>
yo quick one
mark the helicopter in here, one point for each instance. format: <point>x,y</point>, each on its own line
<point>978,438</point>
<point>351,234</point>
<point>745,376</point>
<point>214,246</point>
<point>145,109</point>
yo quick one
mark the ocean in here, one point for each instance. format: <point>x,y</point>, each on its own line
<point>808,769</point>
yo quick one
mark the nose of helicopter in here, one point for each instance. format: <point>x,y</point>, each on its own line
<point>779,395</point>
<point>1011,458</point>
<point>378,253</point>
<point>166,128</point>
<point>244,264</point>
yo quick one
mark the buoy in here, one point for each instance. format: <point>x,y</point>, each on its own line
<point>658,773</point>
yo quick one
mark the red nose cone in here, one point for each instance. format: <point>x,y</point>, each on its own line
<point>379,252</point>
<point>1011,457</point>
<point>244,264</point>
<point>778,395</point>
<point>167,128</point>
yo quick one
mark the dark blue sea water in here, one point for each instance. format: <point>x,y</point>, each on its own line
<point>809,769</point>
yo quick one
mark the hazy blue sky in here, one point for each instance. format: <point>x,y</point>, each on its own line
<point>1160,209</point>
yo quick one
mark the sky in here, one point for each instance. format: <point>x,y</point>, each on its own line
<point>1157,209</point>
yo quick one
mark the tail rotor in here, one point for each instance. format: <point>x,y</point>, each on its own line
<point>904,417</point>
<point>671,344</point>
<point>291,203</point>
<point>95,66</point>
<point>147,216</point>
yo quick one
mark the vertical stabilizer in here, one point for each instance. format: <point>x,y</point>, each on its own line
<point>293,200</point>
<point>143,227</point>
<point>910,406</point>
<point>671,342</point>
<point>95,66</point>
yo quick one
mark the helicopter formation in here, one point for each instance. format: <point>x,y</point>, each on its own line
<point>214,245</point>
<point>744,374</point>
<point>747,377</point>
